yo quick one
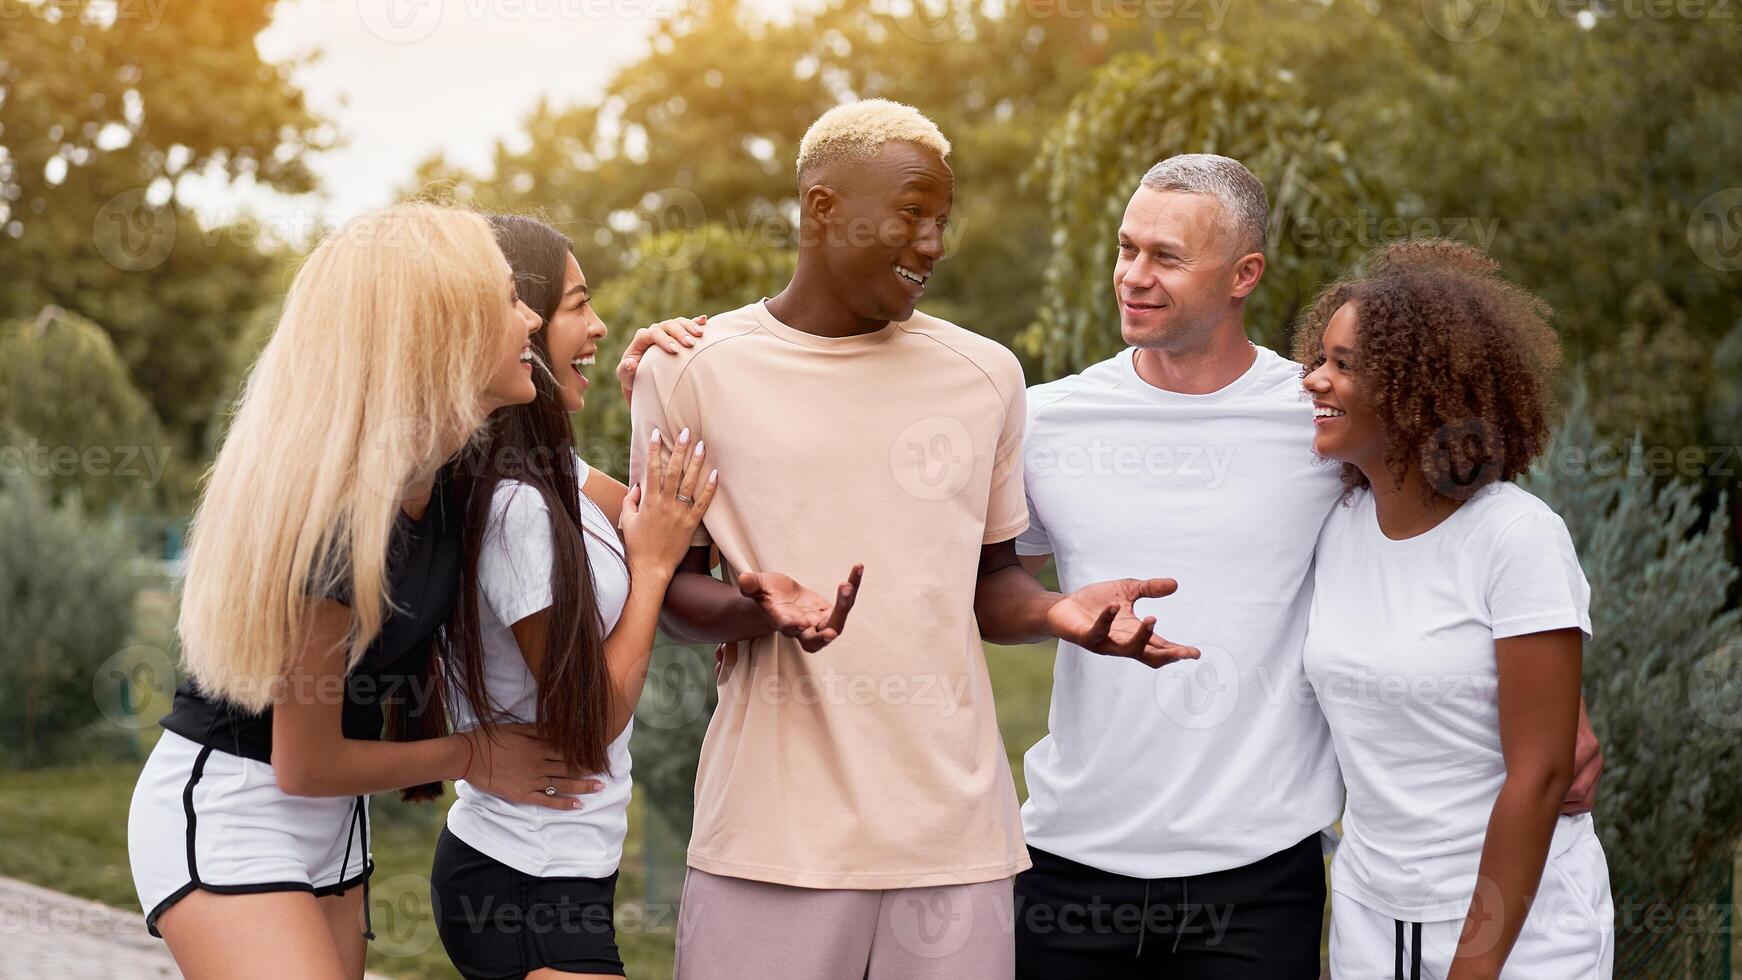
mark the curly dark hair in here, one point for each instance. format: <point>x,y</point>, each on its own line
<point>1457,362</point>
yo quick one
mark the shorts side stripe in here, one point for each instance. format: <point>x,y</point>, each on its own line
<point>187,804</point>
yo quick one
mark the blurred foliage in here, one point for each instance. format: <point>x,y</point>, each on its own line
<point>1585,145</point>
<point>1654,344</point>
<point>1584,154</point>
<point>697,133</point>
<point>71,417</point>
<point>1663,680</point>
<point>1199,99</point>
<point>106,110</point>
<point>716,272</point>
<point>68,591</point>
<point>1724,403</point>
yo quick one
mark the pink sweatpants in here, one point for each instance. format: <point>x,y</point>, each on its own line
<point>737,929</point>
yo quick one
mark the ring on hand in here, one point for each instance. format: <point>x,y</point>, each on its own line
<point>550,787</point>
<point>684,499</point>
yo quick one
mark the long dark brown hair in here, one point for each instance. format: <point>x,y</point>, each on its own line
<point>534,445</point>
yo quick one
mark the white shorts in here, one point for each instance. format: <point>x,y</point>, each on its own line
<point>1569,934</point>
<point>202,818</point>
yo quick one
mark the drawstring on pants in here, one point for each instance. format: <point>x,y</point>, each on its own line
<point>1414,951</point>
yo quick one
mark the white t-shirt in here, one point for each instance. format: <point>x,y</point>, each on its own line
<point>1400,650</point>
<point>1203,765</point>
<point>514,577</point>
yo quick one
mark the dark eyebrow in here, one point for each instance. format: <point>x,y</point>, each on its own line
<point>1341,350</point>
<point>586,293</point>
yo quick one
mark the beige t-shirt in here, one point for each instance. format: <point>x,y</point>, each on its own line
<point>875,762</point>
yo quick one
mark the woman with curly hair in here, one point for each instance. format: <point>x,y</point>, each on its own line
<point>1445,637</point>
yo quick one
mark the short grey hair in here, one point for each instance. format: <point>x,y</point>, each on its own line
<point>1245,206</point>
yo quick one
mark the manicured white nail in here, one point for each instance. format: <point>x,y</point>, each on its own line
<point>699,446</point>
<point>714,477</point>
<point>684,436</point>
<point>655,436</point>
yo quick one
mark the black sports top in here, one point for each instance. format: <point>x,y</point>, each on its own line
<point>423,571</point>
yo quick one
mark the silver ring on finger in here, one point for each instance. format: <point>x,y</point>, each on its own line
<point>550,787</point>
<point>685,500</point>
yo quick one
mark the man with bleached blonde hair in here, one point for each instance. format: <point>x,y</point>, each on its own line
<point>855,814</point>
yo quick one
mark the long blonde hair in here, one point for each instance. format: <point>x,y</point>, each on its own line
<point>375,374</point>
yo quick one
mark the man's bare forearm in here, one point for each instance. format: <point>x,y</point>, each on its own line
<point>1009,601</point>
<point>700,608</point>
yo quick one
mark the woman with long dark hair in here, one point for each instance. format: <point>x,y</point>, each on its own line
<point>554,627</point>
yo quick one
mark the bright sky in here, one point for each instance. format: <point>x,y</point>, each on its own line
<point>403,79</point>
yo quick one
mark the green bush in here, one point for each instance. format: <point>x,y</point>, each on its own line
<point>1663,678</point>
<point>66,608</point>
<point>72,417</point>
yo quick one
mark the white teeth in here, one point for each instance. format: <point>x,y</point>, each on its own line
<point>910,275</point>
<point>1320,412</point>
<point>526,355</point>
<point>581,363</point>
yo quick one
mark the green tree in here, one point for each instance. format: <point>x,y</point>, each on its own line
<point>1655,344</point>
<point>696,133</point>
<point>1589,147</point>
<point>1191,97</point>
<point>106,110</point>
<point>1663,678</point>
<point>66,608</point>
<point>71,417</point>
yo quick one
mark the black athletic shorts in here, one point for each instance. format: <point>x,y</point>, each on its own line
<point>1258,922</point>
<point>496,922</point>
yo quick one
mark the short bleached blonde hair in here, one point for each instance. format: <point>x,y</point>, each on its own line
<point>857,130</point>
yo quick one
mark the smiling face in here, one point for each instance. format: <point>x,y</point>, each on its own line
<point>1345,426</point>
<point>882,225</point>
<point>511,384</point>
<point>572,337</point>
<point>1179,271</point>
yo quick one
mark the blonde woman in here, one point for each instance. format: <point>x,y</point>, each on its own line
<point>248,831</point>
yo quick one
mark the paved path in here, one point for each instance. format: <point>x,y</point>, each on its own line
<point>46,934</point>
